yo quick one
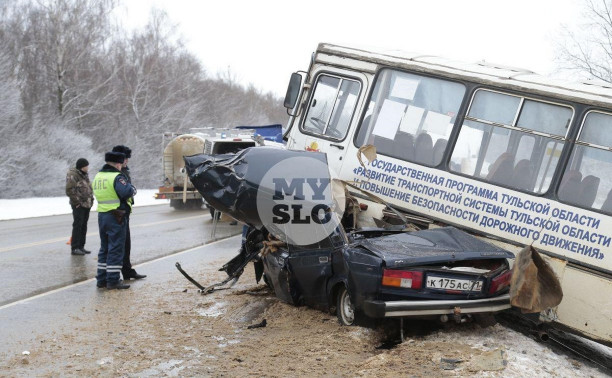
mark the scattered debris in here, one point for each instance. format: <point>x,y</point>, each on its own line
<point>389,344</point>
<point>26,353</point>
<point>216,286</point>
<point>258,325</point>
<point>168,312</point>
<point>449,363</point>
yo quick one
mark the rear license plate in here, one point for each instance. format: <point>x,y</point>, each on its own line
<point>443,283</point>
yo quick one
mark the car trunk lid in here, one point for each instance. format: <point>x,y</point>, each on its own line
<point>430,247</point>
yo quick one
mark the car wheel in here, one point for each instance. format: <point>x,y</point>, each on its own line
<point>344,307</point>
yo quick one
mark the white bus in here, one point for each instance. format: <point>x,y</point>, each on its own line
<point>498,151</point>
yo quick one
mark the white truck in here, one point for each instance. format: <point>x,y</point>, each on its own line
<point>176,185</point>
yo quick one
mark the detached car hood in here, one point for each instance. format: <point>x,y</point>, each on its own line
<point>431,246</point>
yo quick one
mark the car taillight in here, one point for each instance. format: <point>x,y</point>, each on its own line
<point>500,282</point>
<point>402,278</point>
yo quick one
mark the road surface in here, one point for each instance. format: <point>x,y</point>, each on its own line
<point>34,256</point>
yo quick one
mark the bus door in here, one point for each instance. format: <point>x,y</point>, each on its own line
<point>331,115</point>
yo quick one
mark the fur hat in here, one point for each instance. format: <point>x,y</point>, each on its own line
<point>81,163</point>
<point>114,157</point>
<point>124,150</point>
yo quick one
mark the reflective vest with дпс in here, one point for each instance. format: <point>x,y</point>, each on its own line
<point>104,191</point>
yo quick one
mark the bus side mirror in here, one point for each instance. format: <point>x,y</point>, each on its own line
<point>293,90</point>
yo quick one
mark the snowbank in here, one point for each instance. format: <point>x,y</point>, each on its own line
<point>40,207</point>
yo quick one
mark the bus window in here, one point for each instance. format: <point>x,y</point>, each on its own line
<point>511,141</point>
<point>410,117</point>
<point>525,147</point>
<point>332,106</point>
<point>494,107</point>
<point>584,182</point>
<point>551,153</point>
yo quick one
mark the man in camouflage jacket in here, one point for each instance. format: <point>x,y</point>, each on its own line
<point>78,189</point>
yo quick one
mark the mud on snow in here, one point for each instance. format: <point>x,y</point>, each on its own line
<point>169,329</point>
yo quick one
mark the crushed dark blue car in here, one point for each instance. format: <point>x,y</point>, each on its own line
<point>385,271</point>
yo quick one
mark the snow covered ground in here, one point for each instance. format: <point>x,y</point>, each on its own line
<point>40,207</point>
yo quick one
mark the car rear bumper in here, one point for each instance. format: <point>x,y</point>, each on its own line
<point>382,309</point>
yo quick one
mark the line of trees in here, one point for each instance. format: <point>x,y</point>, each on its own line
<point>74,83</point>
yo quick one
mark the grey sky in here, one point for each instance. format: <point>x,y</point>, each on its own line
<point>262,42</point>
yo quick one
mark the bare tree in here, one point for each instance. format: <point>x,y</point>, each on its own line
<point>587,50</point>
<point>73,84</point>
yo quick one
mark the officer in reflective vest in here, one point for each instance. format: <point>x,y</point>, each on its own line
<point>112,191</point>
<point>128,272</point>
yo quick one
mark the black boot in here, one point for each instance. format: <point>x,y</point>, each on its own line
<point>132,275</point>
<point>119,285</point>
<point>77,252</point>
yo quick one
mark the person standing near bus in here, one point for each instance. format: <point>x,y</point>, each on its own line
<point>127,271</point>
<point>78,189</point>
<point>112,190</point>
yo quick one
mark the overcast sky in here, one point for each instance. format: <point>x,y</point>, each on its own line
<point>262,42</point>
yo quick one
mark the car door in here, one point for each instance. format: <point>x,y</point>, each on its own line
<point>311,269</point>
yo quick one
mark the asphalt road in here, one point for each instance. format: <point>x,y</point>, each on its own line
<point>55,312</point>
<point>34,256</point>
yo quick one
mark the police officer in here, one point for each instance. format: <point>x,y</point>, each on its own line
<point>127,271</point>
<point>112,190</point>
